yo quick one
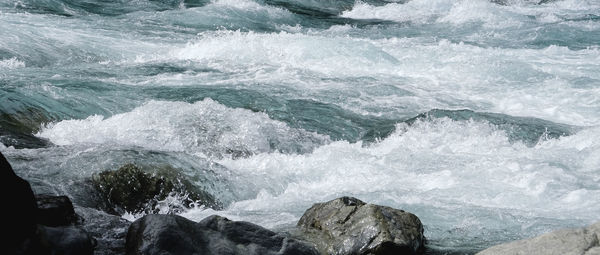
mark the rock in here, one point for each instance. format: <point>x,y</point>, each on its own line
<point>55,211</point>
<point>347,225</point>
<point>109,230</point>
<point>22,214</point>
<point>18,128</point>
<point>67,240</point>
<point>171,234</point>
<point>24,234</point>
<point>129,189</point>
<point>580,241</point>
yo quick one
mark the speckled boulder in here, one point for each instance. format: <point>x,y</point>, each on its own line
<point>347,225</point>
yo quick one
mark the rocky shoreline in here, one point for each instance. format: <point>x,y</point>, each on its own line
<point>47,224</point>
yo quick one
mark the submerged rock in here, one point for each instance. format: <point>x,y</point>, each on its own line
<point>129,189</point>
<point>578,241</point>
<point>347,225</point>
<point>18,128</point>
<point>171,234</point>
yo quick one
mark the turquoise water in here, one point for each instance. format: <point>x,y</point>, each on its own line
<point>481,117</point>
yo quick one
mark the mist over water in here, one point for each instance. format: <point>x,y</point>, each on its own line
<point>481,117</point>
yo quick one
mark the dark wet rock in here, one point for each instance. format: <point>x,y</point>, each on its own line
<point>56,211</point>
<point>85,194</point>
<point>21,216</point>
<point>69,240</point>
<point>578,241</point>
<point>171,234</point>
<point>347,225</point>
<point>17,128</point>
<point>24,234</point>
<point>130,189</point>
<point>109,230</point>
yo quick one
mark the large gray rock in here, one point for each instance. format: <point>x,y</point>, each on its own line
<point>171,234</point>
<point>347,225</point>
<point>578,241</point>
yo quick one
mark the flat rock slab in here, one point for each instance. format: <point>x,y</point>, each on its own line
<point>347,225</point>
<point>171,234</point>
<point>578,241</point>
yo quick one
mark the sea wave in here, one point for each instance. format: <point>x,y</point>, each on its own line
<point>205,127</point>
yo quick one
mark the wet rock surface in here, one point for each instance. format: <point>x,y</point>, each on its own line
<point>69,240</point>
<point>20,235</point>
<point>48,224</point>
<point>130,189</point>
<point>43,230</point>
<point>347,225</point>
<point>171,234</point>
<point>109,230</point>
<point>56,211</point>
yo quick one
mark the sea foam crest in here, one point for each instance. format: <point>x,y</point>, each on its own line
<point>11,63</point>
<point>416,11</point>
<point>492,15</point>
<point>205,127</point>
<point>327,55</point>
<point>229,12</point>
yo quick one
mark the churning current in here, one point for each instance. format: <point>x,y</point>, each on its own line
<point>481,117</point>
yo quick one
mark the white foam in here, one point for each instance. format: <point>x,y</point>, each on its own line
<point>11,63</point>
<point>422,74</point>
<point>464,173</point>
<point>205,127</point>
<point>461,12</point>
<point>491,15</point>
<point>438,11</point>
<point>246,5</point>
<point>243,11</point>
<point>573,5</point>
<point>419,11</point>
<point>454,166</point>
<point>232,50</point>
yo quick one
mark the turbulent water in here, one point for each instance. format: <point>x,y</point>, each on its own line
<point>481,117</point>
